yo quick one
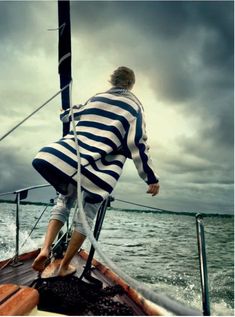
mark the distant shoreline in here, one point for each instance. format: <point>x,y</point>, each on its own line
<point>185,213</point>
<point>22,202</point>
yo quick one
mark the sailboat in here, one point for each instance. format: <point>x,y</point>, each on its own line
<point>95,289</point>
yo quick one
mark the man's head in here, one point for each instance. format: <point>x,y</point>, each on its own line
<point>123,77</point>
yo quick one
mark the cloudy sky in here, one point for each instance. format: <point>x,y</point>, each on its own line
<point>182,54</point>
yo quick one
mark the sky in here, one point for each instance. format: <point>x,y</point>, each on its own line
<point>182,55</point>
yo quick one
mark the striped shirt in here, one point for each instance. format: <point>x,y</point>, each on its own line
<point>110,128</point>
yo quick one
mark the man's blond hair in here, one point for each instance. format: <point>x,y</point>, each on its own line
<point>123,77</point>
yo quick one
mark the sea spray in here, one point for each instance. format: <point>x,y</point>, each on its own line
<point>8,240</point>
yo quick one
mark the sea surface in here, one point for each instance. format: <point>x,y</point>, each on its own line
<point>159,250</point>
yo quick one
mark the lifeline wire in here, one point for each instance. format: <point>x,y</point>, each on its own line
<point>159,299</point>
<point>36,110</point>
<point>131,203</point>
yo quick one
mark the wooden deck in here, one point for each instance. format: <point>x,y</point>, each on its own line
<point>22,274</point>
<point>25,275</point>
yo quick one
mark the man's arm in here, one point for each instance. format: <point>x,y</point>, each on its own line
<point>66,115</point>
<point>139,151</point>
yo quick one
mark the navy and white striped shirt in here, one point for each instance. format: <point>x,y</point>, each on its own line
<point>110,128</point>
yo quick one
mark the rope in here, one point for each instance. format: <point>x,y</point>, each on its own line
<point>36,110</point>
<point>163,301</point>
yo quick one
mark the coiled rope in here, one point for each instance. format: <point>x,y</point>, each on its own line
<point>159,299</point>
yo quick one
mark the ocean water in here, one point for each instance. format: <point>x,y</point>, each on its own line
<point>159,250</point>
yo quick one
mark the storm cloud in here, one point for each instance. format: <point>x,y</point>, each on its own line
<point>182,54</point>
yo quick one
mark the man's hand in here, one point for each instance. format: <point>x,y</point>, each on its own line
<point>153,189</point>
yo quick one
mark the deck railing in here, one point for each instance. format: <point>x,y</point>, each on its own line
<point>203,264</point>
<point>20,194</point>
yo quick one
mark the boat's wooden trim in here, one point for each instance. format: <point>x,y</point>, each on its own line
<point>147,306</point>
<point>17,300</point>
<point>22,257</point>
<point>7,291</point>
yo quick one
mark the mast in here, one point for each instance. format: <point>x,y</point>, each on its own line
<point>64,54</point>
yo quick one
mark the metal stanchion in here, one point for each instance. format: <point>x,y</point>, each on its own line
<point>203,264</point>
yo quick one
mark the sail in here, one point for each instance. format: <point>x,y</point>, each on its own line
<point>65,55</point>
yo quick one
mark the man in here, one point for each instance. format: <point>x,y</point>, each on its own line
<point>110,129</point>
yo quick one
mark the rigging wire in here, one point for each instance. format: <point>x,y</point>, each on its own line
<point>31,114</point>
<point>35,225</point>
<point>157,298</point>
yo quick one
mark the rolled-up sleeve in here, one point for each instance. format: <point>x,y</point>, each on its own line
<point>139,149</point>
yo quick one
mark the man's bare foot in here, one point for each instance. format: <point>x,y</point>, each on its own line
<point>40,261</point>
<point>65,271</point>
